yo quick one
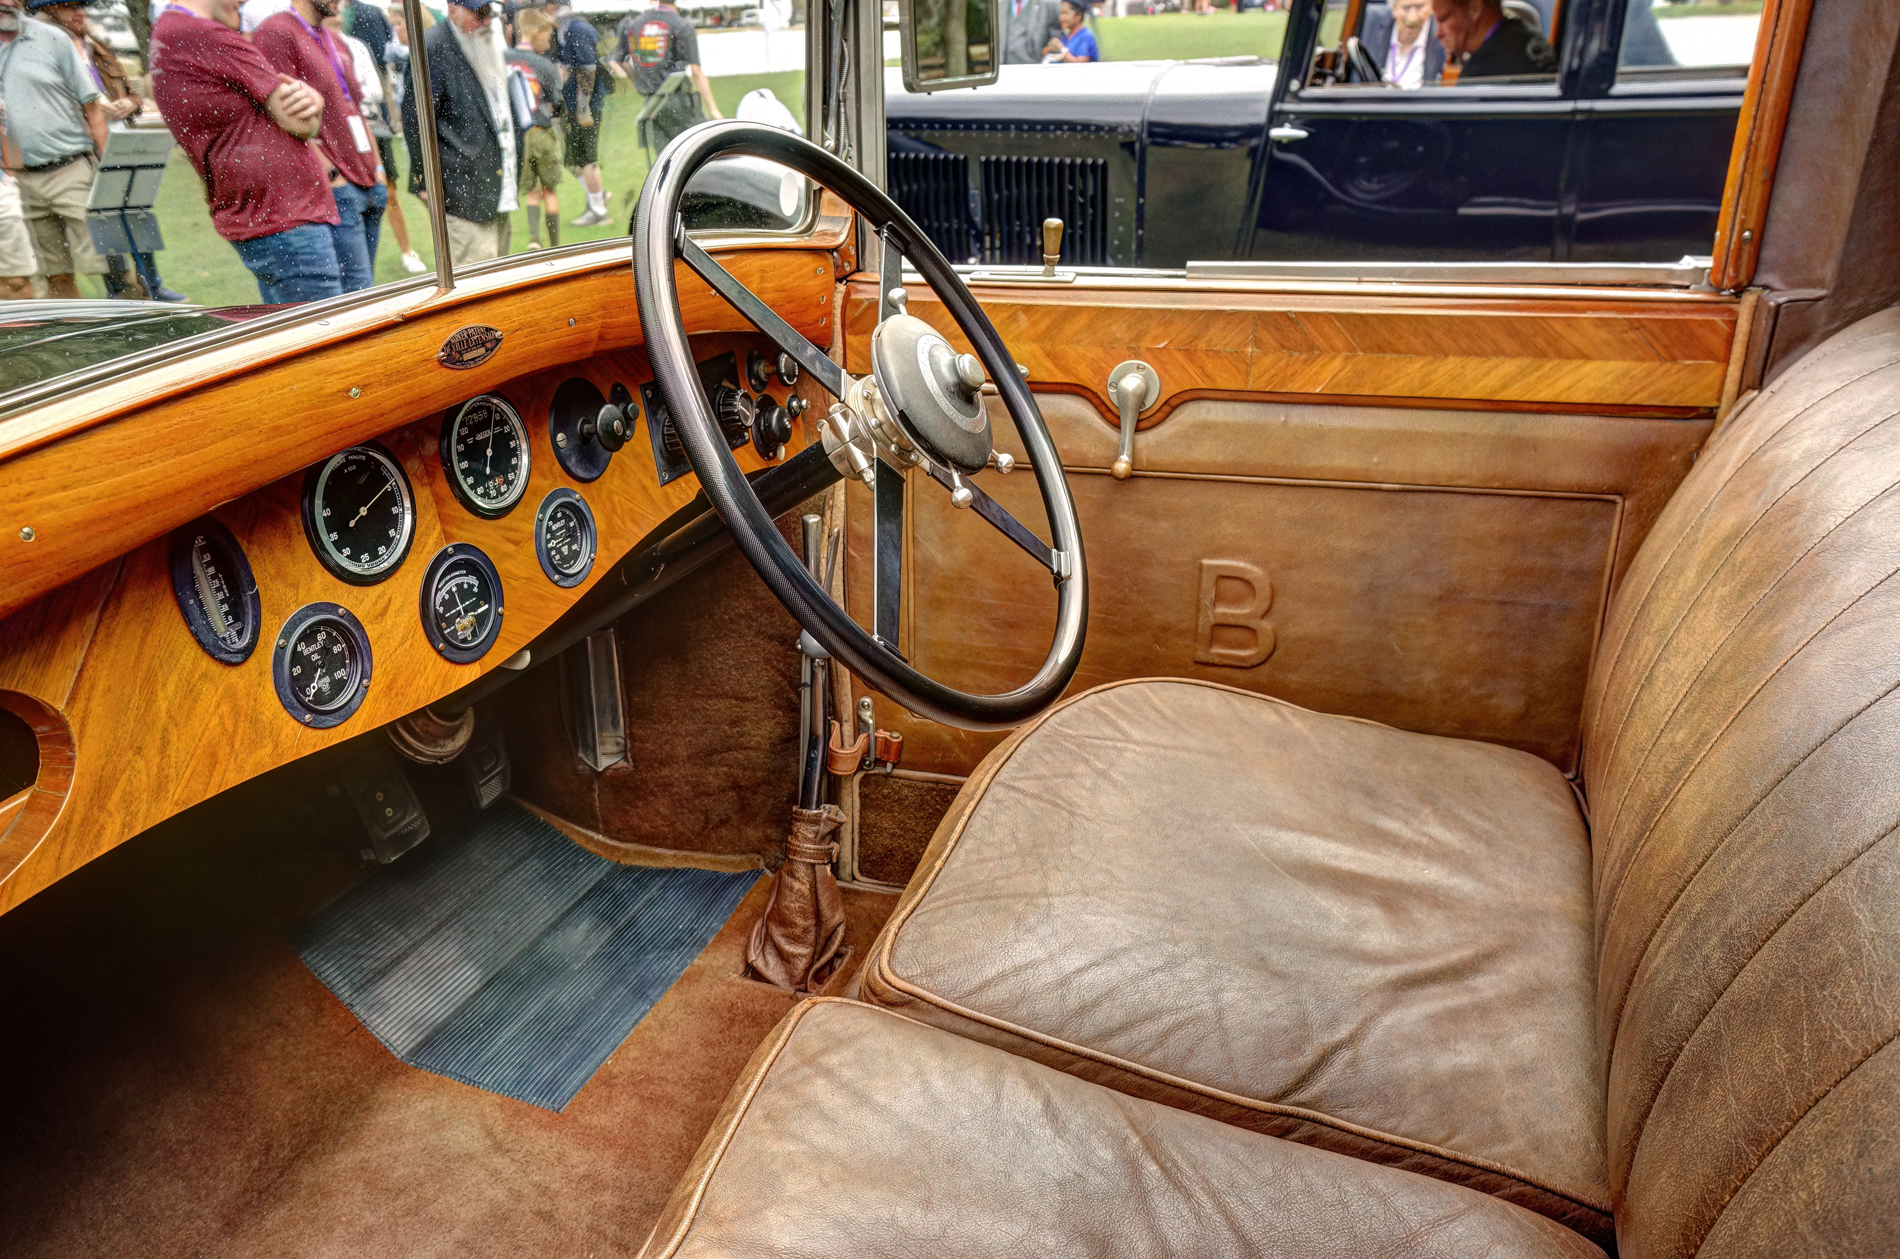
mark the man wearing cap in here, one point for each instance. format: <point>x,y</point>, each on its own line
<point>56,129</point>
<point>244,125</point>
<point>295,43</point>
<point>468,81</point>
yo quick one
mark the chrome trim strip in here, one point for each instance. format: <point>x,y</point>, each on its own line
<point>1686,273</point>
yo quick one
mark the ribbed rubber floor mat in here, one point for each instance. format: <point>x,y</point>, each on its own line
<point>504,956</point>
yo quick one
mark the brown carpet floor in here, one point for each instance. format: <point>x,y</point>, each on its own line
<point>179,1084</point>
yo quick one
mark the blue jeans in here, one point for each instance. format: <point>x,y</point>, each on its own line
<point>295,265</point>
<point>359,214</point>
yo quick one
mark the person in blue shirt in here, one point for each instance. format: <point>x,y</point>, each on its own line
<point>1077,42</point>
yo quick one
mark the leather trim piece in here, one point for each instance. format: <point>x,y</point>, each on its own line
<point>881,985</point>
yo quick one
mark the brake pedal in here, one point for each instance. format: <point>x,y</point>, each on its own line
<point>386,804</point>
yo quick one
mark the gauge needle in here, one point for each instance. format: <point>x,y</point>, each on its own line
<point>364,509</point>
<point>488,468</point>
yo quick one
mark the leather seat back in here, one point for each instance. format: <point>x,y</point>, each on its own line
<point>1742,763</point>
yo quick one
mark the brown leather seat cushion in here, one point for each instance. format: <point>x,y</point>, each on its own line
<point>1315,927</point>
<point>856,1132</point>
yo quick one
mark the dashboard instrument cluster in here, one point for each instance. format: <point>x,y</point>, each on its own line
<point>504,500</point>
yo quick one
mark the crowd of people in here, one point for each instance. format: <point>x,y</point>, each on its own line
<point>289,111</point>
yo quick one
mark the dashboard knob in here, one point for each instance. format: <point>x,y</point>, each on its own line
<point>787,369</point>
<point>611,427</point>
<point>758,371</point>
<point>796,405</point>
<point>735,411</point>
<point>772,430</point>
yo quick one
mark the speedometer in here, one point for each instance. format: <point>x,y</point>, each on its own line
<point>359,513</point>
<point>485,455</point>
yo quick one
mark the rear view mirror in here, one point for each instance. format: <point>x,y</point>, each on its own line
<point>949,43</point>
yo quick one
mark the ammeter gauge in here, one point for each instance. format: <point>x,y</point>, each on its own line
<point>461,603</point>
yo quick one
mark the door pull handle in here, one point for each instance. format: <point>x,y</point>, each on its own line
<point>1281,134</point>
<point>1133,387</point>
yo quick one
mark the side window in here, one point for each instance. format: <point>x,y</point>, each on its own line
<point>1699,39</point>
<point>1412,44</point>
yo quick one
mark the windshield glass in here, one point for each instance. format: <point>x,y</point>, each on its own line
<point>178,168</point>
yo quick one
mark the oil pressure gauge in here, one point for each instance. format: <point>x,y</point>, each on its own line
<point>485,455</point>
<point>321,666</point>
<point>216,593</point>
<point>359,513</point>
<point>461,603</point>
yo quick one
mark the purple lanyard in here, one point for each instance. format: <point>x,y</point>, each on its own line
<point>342,80</point>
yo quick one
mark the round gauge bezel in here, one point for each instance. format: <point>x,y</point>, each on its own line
<point>451,420</point>
<point>457,555</point>
<point>542,514</point>
<point>185,590</point>
<point>299,621</point>
<point>314,534</point>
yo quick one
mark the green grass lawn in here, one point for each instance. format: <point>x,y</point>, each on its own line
<point>1183,36</point>
<point>202,265</point>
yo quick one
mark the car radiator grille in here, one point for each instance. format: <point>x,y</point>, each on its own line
<point>999,220</point>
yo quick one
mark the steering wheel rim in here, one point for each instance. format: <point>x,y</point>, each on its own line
<point>658,242</point>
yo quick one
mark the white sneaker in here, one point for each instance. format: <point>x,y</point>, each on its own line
<point>592,218</point>
<point>534,244</point>
<point>412,262</point>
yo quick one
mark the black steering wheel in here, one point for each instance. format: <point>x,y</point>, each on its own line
<point>921,408</point>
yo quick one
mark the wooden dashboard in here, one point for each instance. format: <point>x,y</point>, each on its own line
<point>135,721</point>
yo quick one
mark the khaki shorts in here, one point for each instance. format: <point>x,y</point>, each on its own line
<point>54,202</point>
<point>471,242</point>
<point>540,161</point>
<point>16,249</point>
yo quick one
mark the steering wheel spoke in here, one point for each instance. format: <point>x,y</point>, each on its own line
<point>887,555</point>
<point>821,369</point>
<point>998,515</point>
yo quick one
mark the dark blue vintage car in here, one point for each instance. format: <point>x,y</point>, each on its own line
<point>1617,155</point>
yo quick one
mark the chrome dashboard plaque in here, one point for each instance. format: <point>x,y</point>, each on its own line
<point>470,346</point>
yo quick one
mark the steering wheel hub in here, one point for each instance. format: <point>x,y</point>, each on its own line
<point>935,393</point>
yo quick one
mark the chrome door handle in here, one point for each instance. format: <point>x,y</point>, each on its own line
<point>1280,135</point>
<point>1133,387</point>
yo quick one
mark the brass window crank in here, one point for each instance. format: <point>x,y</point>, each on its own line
<point>1133,387</point>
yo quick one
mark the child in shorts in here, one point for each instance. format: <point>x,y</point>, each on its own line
<point>535,86</point>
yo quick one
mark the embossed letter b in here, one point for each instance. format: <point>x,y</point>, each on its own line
<point>1235,596</point>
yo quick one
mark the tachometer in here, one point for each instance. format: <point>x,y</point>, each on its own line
<point>359,513</point>
<point>485,455</point>
<point>461,603</point>
<point>215,590</point>
<point>564,537</point>
<point>321,667</point>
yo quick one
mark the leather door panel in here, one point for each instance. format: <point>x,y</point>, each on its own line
<point>1439,570</point>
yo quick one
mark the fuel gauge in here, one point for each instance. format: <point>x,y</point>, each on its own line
<point>215,590</point>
